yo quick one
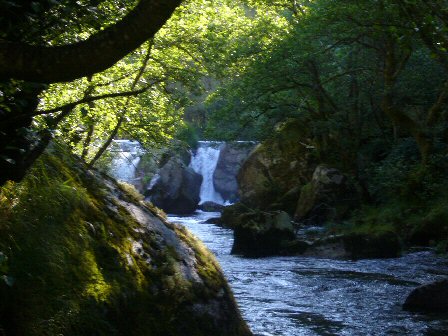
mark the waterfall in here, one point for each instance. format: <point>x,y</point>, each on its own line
<point>204,162</point>
<point>125,161</point>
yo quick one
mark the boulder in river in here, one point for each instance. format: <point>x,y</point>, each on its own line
<point>230,216</point>
<point>429,298</point>
<point>230,159</point>
<point>211,207</point>
<point>260,234</point>
<point>276,166</point>
<point>328,197</point>
<point>175,188</point>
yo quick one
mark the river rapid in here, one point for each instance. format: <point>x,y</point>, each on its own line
<point>288,296</point>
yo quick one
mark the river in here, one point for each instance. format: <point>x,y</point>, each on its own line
<point>291,296</point>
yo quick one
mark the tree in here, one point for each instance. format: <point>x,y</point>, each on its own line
<point>21,59</point>
<point>341,68</point>
<point>49,64</point>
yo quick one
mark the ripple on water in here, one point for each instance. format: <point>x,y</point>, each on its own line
<point>290,296</point>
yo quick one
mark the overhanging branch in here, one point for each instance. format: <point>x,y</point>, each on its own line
<point>52,64</point>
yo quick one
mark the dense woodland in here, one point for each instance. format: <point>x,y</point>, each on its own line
<point>365,83</point>
<point>366,80</point>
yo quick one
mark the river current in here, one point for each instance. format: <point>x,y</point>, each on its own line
<point>291,296</point>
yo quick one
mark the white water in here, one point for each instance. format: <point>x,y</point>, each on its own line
<point>204,162</point>
<point>126,158</point>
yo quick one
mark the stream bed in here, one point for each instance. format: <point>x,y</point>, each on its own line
<point>289,296</point>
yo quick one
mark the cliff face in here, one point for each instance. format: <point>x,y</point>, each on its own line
<point>231,158</point>
<point>83,255</point>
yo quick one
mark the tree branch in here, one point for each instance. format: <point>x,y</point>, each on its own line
<point>52,64</point>
<point>89,99</point>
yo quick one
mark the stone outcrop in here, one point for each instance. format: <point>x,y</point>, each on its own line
<point>230,216</point>
<point>259,234</point>
<point>175,188</point>
<point>274,167</point>
<point>328,197</point>
<point>429,298</point>
<point>231,158</point>
<point>93,259</point>
<point>154,159</point>
<point>211,207</point>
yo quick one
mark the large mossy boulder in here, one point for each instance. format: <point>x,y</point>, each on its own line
<point>230,215</point>
<point>81,256</point>
<point>175,188</point>
<point>429,298</point>
<point>328,197</point>
<point>259,234</point>
<point>231,157</point>
<point>276,166</point>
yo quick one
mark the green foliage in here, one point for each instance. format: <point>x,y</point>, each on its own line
<point>59,20</point>
<point>188,134</point>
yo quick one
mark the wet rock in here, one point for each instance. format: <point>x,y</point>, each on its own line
<point>213,220</point>
<point>229,163</point>
<point>276,166</point>
<point>288,201</point>
<point>430,298</point>
<point>372,245</point>
<point>328,197</point>
<point>175,188</point>
<point>259,234</point>
<point>231,215</point>
<point>177,149</point>
<point>211,207</point>
<point>331,247</point>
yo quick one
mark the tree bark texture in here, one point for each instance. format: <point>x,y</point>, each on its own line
<point>50,64</point>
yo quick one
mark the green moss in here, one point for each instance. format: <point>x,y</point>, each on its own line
<point>130,191</point>
<point>82,265</point>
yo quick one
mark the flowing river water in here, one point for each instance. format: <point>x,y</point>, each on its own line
<point>291,296</point>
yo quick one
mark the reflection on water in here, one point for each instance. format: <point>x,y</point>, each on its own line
<point>306,296</point>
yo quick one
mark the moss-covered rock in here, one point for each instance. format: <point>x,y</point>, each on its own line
<point>276,166</point>
<point>175,188</point>
<point>259,234</point>
<point>328,197</point>
<point>81,256</point>
<point>231,216</point>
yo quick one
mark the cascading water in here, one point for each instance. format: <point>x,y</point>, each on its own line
<point>204,162</point>
<point>124,164</point>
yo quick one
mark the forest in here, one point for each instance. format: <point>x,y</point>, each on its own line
<point>307,131</point>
